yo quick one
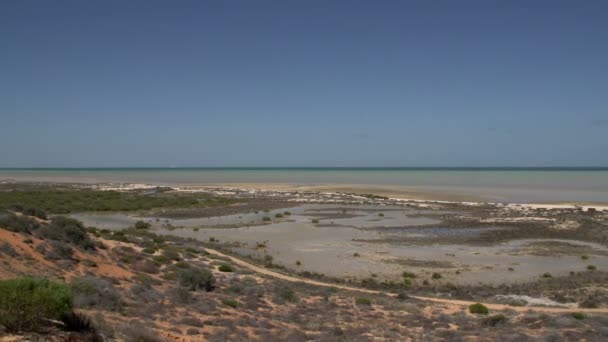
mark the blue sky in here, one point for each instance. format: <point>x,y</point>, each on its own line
<point>303,83</point>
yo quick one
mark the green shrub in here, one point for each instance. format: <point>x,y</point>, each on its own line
<point>142,225</point>
<point>298,263</point>
<point>381,214</point>
<point>356,255</point>
<point>67,230</point>
<point>26,303</point>
<point>436,275</point>
<point>29,211</point>
<point>578,315</point>
<point>286,293</point>
<point>591,268</point>
<point>363,301</point>
<point>286,213</point>
<point>196,279</point>
<point>584,257</point>
<point>171,254</point>
<point>225,268</point>
<point>64,201</point>
<point>278,215</point>
<point>233,303</point>
<point>547,275</point>
<point>478,308</point>
<point>149,250</point>
<point>266,219</point>
<point>182,264</point>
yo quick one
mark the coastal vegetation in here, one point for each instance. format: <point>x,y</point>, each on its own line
<point>64,201</point>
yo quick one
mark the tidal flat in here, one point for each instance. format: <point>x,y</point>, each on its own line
<point>375,240</point>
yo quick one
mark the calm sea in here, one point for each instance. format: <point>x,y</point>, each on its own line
<point>499,184</point>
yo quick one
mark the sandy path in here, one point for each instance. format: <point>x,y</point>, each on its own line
<point>453,302</point>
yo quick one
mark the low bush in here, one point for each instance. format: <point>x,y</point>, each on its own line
<point>278,215</point>
<point>363,301</point>
<point>286,293</point>
<point>225,268</point>
<point>142,225</point>
<point>171,254</point>
<point>59,250</point>
<point>146,266</point>
<point>93,292</point>
<point>196,279</point>
<point>29,211</point>
<point>140,333</point>
<point>27,303</point>
<point>547,275</point>
<point>67,230</point>
<point>591,268</point>
<point>7,249</point>
<point>494,320</point>
<point>15,223</point>
<point>315,221</point>
<point>478,308</point>
<point>578,315</point>
<point>180,295</point>
<point>182,264</point>
<point>408,274</point>
<point>436,276</point>
<point>266,219</point>
<point>233,303</point>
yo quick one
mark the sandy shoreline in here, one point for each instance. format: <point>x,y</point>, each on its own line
<point>391,192</point>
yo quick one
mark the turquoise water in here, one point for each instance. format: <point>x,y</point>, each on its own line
<point>499,184</point>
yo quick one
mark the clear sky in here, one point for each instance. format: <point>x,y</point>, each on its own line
<point>303,83</point>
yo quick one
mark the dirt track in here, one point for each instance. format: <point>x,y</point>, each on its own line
<point>453,302</point>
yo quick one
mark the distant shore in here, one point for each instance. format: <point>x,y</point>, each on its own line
<point>568,186</point>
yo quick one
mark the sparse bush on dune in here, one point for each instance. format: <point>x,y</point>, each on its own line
<point>67,230</point>
<point>59,250</point>
<point>18,224</point>
<point>494,320</point>
<point>27,303</point>
<point>225,268</point>
<point>7,249</point>
<point>285,293</point>
<point>140,333</point>
<point>196,279</point>
<point>28,210</point>
<point>363,301</point>
<point>93,292</point>
<point>478,308</point>
<point>233,303</point>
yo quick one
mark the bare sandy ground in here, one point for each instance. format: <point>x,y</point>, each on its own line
<point>404,193</point>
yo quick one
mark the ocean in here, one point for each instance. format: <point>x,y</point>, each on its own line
<point>508,184</point>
